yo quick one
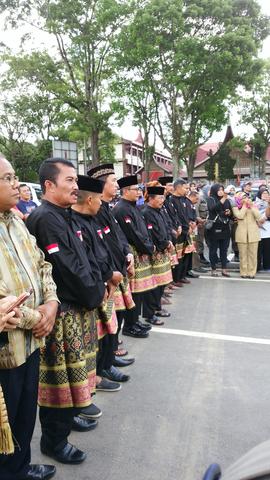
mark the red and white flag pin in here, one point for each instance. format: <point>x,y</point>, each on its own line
<point>100,233</point>
<point>127,219</point>
<point>53,248</point>
<point>106,230</point>
<point>149,226</point>
<point>79,235</point>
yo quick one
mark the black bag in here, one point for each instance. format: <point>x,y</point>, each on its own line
<point>210,223</point>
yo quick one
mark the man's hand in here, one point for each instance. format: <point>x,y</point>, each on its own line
<point>179,230</point>
<point>130,265</point>
<point>9,321</point>
<point>116,278</point>
<point>170,246</point>
<point>45,325</point>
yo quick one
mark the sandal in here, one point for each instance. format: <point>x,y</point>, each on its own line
<point>161,313</point>
<point>225,274</point>
<point>214,273</point>
<point>155,321</point>
<point>121,352</point>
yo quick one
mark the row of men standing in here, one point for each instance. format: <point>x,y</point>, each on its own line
<point>109,266</point>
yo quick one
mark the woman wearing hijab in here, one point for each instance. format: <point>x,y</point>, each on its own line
<point>262,202</point>
<point>247,233</point>
<point>218,236</point>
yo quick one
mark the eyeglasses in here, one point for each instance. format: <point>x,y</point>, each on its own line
<point>136,189</point>
<point>11,179</point>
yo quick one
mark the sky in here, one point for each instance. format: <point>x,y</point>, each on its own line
<point>12,39</point>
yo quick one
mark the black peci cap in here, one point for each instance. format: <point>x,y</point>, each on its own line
<point>165,180</point>
<point>127,181</point>
<point>89,184</point>
<point>155,190</point>
<point>101,170</point>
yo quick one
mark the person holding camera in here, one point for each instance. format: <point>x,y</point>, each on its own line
<point>218,236</point>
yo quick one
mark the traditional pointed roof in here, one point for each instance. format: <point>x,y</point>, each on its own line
<point>229,134</point>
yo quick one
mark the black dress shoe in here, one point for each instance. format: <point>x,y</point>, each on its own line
<point>82,424</point>
<point>192,274</point>
<point>143,326</point>
<point>40,472</point>
<point>135,332</point>
<point>115,375</point>
<point>68,454</point>
<point>123,362</point>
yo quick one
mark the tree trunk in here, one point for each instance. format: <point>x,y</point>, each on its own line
<point>95,147</point>
<point>176,162</point>
<point>191,165</point>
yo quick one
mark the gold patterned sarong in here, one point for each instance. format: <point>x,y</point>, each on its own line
<point>123,297</point>
<point>143,279</point>
<point>161,268</point>
<point>107,320</point>
<point>68,361</point>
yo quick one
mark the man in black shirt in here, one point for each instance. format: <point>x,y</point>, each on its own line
<point>133,225</point>
<point>88,205</point>
<point>68,362</point>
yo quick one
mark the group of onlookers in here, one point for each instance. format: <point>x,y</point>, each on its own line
<point>95,267</point>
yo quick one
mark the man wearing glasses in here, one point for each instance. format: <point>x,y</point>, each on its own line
<point>22,267</point>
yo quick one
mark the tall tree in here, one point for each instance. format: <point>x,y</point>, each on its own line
<point>78,70</point>
<point>255,111</point>
<point>134,98</point>
<point>193,55</point>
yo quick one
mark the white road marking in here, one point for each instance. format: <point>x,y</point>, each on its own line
<point>212,336</point>
<point>236,279</point>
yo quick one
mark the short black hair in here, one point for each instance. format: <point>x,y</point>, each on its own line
<point>23,185</point>
<point>179,181</point>
<point>49,170</point>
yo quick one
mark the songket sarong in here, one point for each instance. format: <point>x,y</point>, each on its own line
<point>123,297</point>
<point>179,247</point>
<point>68,361</point>
<point>174,257</point>
<point>107,320</point>
<point>161,268</point>
<point>190,245</point>
<point>143,279</point>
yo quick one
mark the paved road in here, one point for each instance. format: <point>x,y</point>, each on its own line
<point>193,398</point>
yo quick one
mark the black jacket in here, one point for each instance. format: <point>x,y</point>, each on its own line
<point>182,212</point>
<point>157,227</point>
<point>76,275</point>
<point>133,225</point>
<point>94,240</point>
<point>114,237</point>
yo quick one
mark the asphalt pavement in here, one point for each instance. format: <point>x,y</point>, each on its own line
<point>199,390</point>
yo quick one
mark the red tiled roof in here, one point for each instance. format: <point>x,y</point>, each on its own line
<point>203,152</point>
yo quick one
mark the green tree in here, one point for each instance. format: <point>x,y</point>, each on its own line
<point>78,70</point>
<point>134,97</point>
<point>255,111</point>
<point>193,55</point>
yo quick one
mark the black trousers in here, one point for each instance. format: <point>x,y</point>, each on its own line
<point>132,316</point>
<point>185,263</point>
<point>105,355</point>
<point>56,426</point>
<point>264,254</point>
<point>214,245</point>
<point>120,318</point>
<point>151,301</point>
<point>20,388</point>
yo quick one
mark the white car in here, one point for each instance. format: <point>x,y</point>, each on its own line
<point>35,190</point>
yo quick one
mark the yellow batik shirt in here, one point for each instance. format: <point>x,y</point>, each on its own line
<point>22,266</point>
